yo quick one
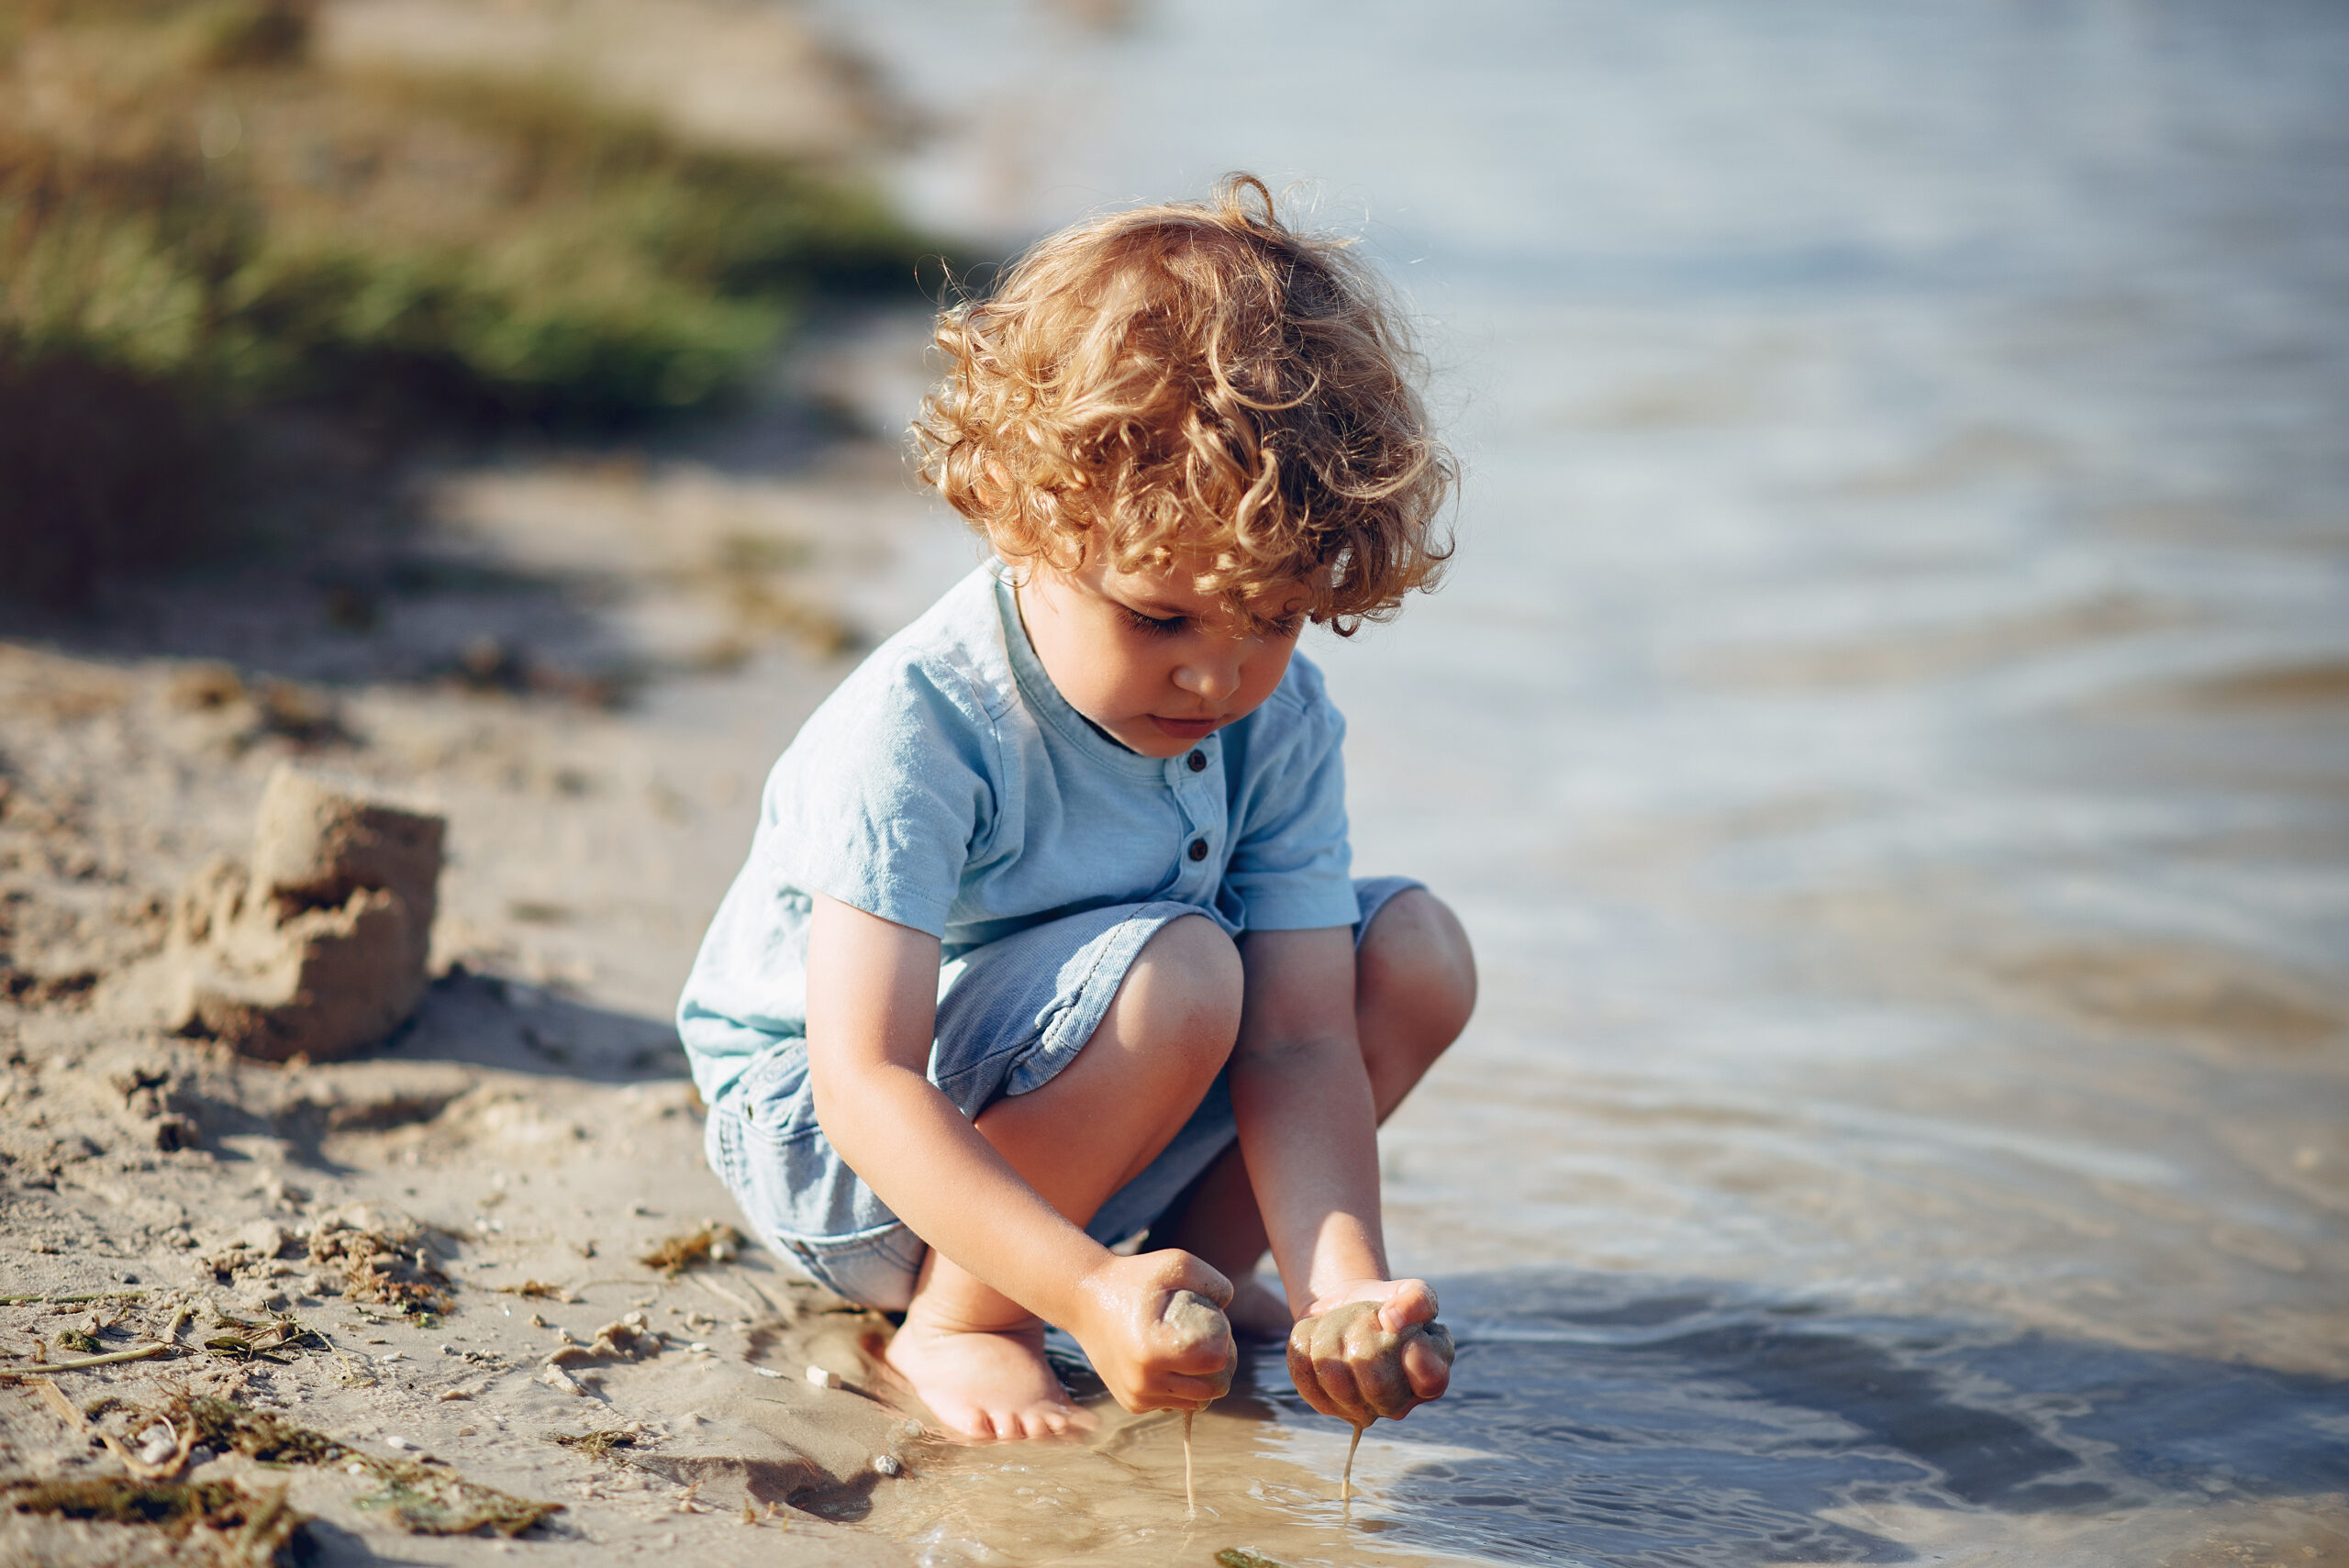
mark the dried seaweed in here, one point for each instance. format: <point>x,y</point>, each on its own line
<point>266,1342</point>
<point>598,1444</point>
<point>68,1364</point>
<point>377,1266</point>
<point>426,1499</point>
<point>422,1499</point>
<point>536,1289</point>
<point>250,1529</point>
<point>714,1242</point>
<point>226,1427</point>
<point>79,1340</point>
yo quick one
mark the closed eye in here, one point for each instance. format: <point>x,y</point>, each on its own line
<point>1154,626</point>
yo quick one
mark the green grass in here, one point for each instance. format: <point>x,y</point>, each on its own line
<point>196,223</point>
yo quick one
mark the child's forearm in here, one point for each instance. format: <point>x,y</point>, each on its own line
<point>872,1007</point>
<point>1309,1136</point>
<point>934,1169</point>
<point>1309,1127</point>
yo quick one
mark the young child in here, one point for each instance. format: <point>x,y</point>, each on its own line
<point>1047,938</point>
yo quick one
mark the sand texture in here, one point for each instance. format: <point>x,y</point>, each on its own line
<point>338,1086</point>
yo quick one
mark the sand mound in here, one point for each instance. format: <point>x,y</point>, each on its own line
<point>318,949</point>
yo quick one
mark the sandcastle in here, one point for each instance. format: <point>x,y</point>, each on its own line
<point>317,950</point>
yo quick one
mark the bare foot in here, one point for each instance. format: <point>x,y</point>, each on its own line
<point>1257,1311</point>
<point>985,1383</point>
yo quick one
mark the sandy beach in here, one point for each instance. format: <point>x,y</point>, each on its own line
<point>529,1136</point>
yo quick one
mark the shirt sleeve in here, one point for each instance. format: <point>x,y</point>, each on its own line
<point>1291,866</point>
<point>882,796</point>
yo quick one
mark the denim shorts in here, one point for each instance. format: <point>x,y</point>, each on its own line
<point>1011,1016</point>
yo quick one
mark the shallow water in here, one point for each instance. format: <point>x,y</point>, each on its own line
<point>1599,1418</point>
<point>1885,731</point>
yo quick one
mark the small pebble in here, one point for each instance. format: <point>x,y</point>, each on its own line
<point>823,1378</point>
<point>129,1279</point>
<point>401,1443</point>
<point>698,1345</point>
<point>451,1351</point>
<point>200,1455</point>
<point>767,1372</point>
<point>393,1356</point>
<point>886,1464</point>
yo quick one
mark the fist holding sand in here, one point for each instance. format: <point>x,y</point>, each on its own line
<point>1382,1354</point>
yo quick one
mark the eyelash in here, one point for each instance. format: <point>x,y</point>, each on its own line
<point>1152,626</point>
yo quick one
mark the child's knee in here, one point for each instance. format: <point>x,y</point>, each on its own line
<point>1415,962</point>
<point>1182,995</point>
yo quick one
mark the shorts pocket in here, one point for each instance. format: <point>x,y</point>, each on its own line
<point>773,1154</point>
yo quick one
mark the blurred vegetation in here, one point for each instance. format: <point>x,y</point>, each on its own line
<point>196,222</point>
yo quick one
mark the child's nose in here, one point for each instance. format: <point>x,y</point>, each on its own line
<point>1214,679</point>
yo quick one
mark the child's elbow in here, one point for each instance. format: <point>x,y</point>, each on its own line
<point>831,1090</point>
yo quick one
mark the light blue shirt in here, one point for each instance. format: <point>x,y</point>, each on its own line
<point>947,785</point>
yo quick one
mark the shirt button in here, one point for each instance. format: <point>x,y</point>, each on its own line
<point>1199,850</point>
<point>1198,761</point>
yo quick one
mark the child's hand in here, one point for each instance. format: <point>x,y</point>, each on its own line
<point>1153,1361</point>
<point>1371,1348</point>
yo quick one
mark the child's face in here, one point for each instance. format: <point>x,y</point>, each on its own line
<point>1149,657</point>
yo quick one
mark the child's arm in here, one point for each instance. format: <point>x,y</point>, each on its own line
<point>1308,1132</point>
<point>872,1010</point>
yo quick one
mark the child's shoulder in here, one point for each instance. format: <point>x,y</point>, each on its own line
<point>1295,728</point>
<point>1300,706</point>
<point>1302,692</point>
<point>953,654</point>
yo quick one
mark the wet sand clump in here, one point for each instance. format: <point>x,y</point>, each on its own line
<point>1355,1326</point>
<point>319,949</point>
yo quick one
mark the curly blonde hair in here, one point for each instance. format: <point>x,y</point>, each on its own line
<point>1195,385</point>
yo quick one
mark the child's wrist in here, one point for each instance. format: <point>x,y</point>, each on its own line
<point>1337,1292</point>
<point>1070,1299</point>
<point>1343,1273</point>
<point>1096,1300</point>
